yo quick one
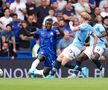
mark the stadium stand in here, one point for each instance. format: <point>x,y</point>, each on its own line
<point>39,9</point>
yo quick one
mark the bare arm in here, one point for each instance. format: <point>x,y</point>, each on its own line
<point>14,43</point>
<point>95,40</point>
<point>23,37</point>
<point>61,33</point>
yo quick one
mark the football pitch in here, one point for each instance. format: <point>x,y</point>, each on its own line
<point>54,84</point>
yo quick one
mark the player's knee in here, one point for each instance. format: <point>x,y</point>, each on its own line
<point>60,58</point>
<point>41,58</point>
<point>95,57</point>
<point>81,58</point>
<point>63,63</point>
<point>46,71</point>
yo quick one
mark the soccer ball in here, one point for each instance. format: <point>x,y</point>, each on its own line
<point>1,72</point>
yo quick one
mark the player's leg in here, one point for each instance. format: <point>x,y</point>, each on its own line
<point>77,64</point>
<point>81,58</point>
<point>49,56</point>
<point>95,58</point>
<point>47,67</point>
<point>46,71</point>
<point>40,57</point>
<point>86,54</point>
<point>98,64</point>
<point>74,53</point>
<point>67,55</point>
<point>34,65</point>
<point>43,72</point>
<point>56,66</point>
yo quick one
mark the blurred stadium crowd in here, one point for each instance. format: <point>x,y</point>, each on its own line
<point>19,19</point>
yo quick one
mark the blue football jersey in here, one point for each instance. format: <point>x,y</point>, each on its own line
<point>82,34</point>
<point>46,38</point>
<point>47,45</point>
<point>98,29</point>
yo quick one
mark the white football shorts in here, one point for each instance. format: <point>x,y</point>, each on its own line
<point>71,52</point>
<point>88,51</point>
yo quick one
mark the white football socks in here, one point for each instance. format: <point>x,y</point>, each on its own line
<point>39,72</point>
<point>34,64</point>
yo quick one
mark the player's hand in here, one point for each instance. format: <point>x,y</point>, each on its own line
<point>70,23</point>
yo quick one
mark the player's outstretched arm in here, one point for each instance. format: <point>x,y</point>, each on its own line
<point>61,32</point>
<point>72,27</point>
<point>95,40</point>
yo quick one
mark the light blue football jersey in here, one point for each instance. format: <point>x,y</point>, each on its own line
<point>98,29</point>
<point>82,34</point>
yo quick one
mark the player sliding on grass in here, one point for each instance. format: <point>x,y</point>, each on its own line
<point>74,49</point>
<point>47,48</point>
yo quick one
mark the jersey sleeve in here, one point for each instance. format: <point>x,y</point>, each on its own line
<point>101,28</point>
<point>55,31</point>
<point>37,32</point>
<point>83,27</point>
<point>91,30</point>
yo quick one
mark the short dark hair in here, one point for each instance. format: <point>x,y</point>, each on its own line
<point>106,17</point>
<point>14,15</point>
<point>49,21</point>
<point>6,9</point>
<point>9,25</point>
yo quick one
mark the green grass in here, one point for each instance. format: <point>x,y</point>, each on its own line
<point>54,84</point>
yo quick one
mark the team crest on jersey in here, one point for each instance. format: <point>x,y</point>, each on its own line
<point>98,49</point>
<point>42,52</point>
<point>51,33</point>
